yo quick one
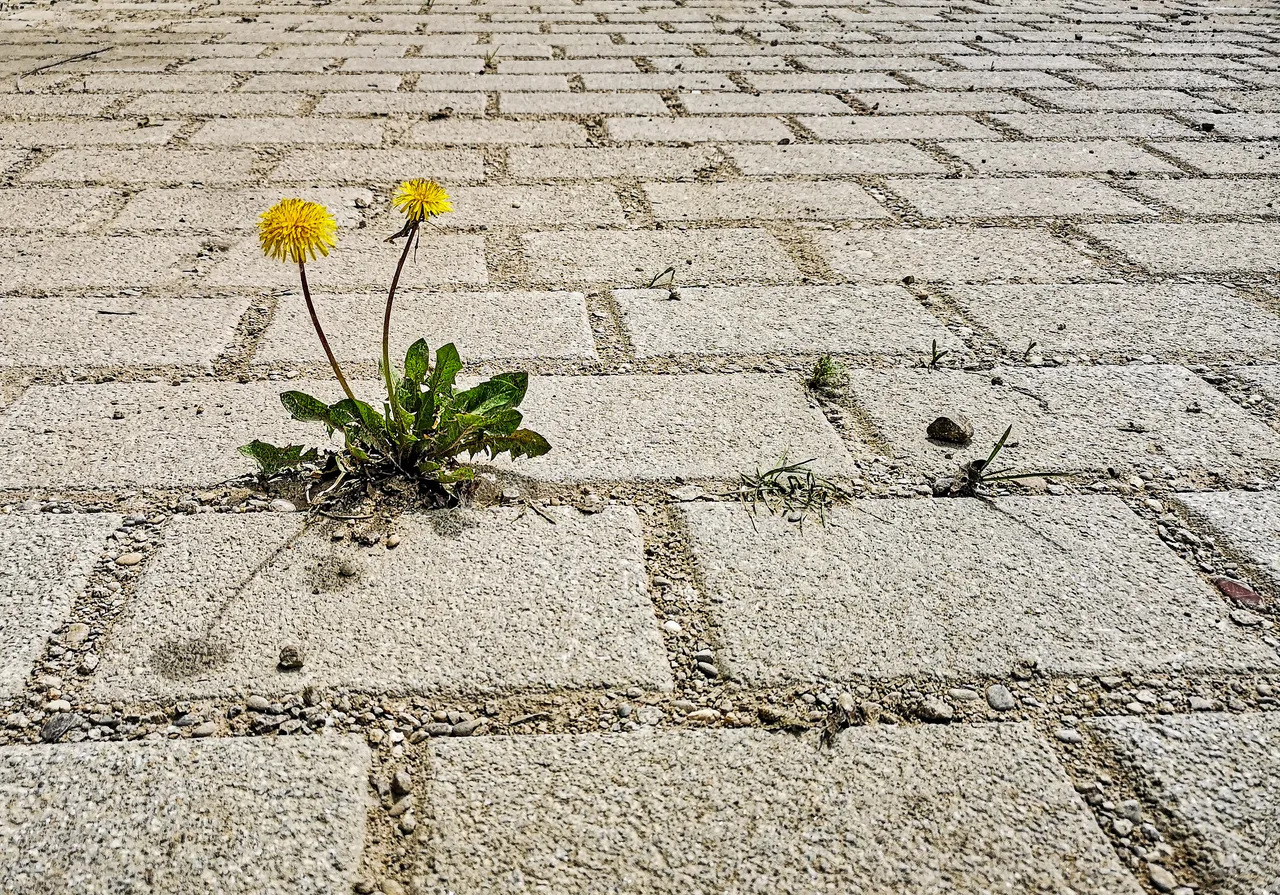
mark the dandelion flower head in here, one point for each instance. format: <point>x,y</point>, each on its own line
<point>421,199</point>
<point>295,230</point>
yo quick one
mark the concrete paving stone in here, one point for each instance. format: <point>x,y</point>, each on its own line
<point>581,204</point>
<point>1042,156</point>
<point>958,588</point>
<point>1122,100</point>
<point>657,428</point>
<point>224,105</point>
<point>74,331</point>
<point>303,131</point>
<point>1216,778</point>
<point>484,325</point>
<point>240,816</point>
<point>1216,157</point>
<point>129,166</point>
<point>899,127</point>
<point>781,103</point>
<point>1201,248</point>
<point>716,63</point>
<point>45,561</point>
<point>474,65</point>
<point>761,200</point>
<point>1093,124</point>
<point>491,83</point>
<point>1247,522</point>
<point>1014,197</point>
<point>800,319</point>
<point>1171,321</point>
<point>220,211</point>
<point>565,66</point>
<point>916,102</point>
<point>1247,125</point>
<point>1215,197</point>
<point>697,130</point>
<point>471,601</point>
<point>141,82</point>
<point>164,436</point>
<point>1248,100</point>
<point>361,259</point>
<point>989,80</point>
<point>43,263</point>
<point>824,81</point>
<point>1049,62</point>
<point>967,809</point>
<point>50,209</point>
<point>522,133</point>
<point>953,254</point>
<point>1070,419</point>
<point>650,162</point>
<point>890,64</point>
<point>379,166</point>
<point>582,104</point>
<point>633,259</point>
<point>45,105</point>
<point>814,159</point>
<point>29,134</point>
<point>353,103</point>
<point>327,82</point>
<point>1155,80</point>
<point>294,64</point>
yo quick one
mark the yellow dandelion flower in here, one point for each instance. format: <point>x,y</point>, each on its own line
<point>421,199</point>
<point>295,230</point>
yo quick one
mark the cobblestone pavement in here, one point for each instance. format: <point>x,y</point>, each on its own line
<point>607,675</point>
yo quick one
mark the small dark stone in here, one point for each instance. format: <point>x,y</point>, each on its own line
<point>290,658</point>
<point>57,727</point>
<point>953,428</point>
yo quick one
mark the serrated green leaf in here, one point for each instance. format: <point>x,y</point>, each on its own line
<point>417,362</point>
<point>302,406</point>
<point>273,460</point>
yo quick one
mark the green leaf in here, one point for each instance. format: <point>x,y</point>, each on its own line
<point>274,460</point>
<point>417,363</point>
<point>521,443</point>
<point>448,365</point>
<point>502,391</point>
<point>302,406</point>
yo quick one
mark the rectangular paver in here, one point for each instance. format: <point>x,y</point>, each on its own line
<point>1201,248</point>
<point>478,600</point>
<point>241,816</point>
<point>156,166</point>
<point>746,201</point>
<point>1076,156</point>
<point>653,162</point>
<point>899,127</point>
<point>47,263</point>
<point>45,561</point>
<point>660,427</point>
<point>1246,521</point>
<point>1070,419</point>
<point>379,166</point>
<point>821,159</point>
<point>1171,321</point>
<point>1215,197</point>
<point>484,325</point>
<point>1015,197</point>
<point>1216,780</point>
<point>958,588</point>
<point>965,809</point>
<point>795,319</point>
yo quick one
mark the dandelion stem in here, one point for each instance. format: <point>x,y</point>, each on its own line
<point>386,325</point>
<point>315,321</point>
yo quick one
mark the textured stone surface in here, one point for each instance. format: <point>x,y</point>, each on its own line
<point>985,198</point>
<point>970,809</point>
<point>959,588</point>
<point>660,427</point>
<point>1168,321</point>
<point>1203,248</point>
<point>483,325</point>
<point>1069,418</point>
<point>1246,522</point>
<point>239,816</point>
<point>486,599</point>
<point>803,319</point>
<point>1217,778</point>
<point>44,564</point>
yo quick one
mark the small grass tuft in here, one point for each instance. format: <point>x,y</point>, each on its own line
<point>792,489</point>
<point>827,375</point>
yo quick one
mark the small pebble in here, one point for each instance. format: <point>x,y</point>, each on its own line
<point>1000,698</point>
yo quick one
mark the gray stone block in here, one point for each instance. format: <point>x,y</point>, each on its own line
<point>45,561</point>
<point>1196,248</point>
<point>1246,521</point>
<point>236,816</point>
<point>1217,778</point>
<point>790,319</point>
<point>958,588</point>
<point>660,427</point>
<point>1015,197</point>
<point>1084,419</point>
<point>972,809</point>
<point>469,602</point>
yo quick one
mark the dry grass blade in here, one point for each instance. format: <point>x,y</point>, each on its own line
<point>792,489</point>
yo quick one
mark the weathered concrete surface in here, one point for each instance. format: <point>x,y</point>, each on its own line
<point>1247,522</point>
<point>1216,778</point>
<point>469,602</point>
<point>967,809</point>
<point>958,588</point>
<point>44,563</point>
<point>240,816</point>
